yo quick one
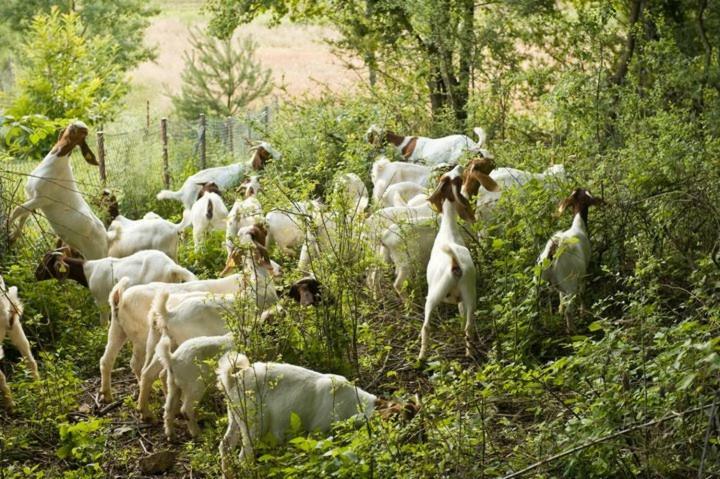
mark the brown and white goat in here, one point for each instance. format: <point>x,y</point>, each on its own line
<point>51,188</point>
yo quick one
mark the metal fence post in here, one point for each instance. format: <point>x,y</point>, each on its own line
<point>228,123</point>
<point>101,157</point>
<point>166,167</point>
<point>203,132</point>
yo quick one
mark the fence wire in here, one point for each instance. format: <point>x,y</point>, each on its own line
<point>134,167</point>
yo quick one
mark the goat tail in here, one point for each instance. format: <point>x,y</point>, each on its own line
<point>16,306</point>
<point>481,135</point>
<point>185,222</point>
<point>209,209</point>
<point>455,268</point>
<point>163,350</point>
<point>169,195</point>
<point>116,295</point>
<point>229,364</point>
<point>159,310</point>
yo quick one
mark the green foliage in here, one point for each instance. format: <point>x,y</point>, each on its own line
<point>124,21</point>
<point>82,442</point>
<point>221,77</point>
<point>29,134</point>
<point>64,75</point>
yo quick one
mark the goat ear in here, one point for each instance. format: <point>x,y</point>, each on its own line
<point>87,153</point>
<point>564,204</point>
<point>488,183</point>
<point>440,194</point>
<point>462,204</point>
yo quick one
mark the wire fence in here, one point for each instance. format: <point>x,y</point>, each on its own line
<point>135,164</point>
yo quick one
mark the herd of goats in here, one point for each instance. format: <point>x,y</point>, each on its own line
<point>176,322</point>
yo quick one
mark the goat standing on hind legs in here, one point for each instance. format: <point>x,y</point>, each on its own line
<point>568,253</point>
<point>451,271</point>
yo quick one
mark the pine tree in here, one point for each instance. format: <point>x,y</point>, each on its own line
<point>221,77</point>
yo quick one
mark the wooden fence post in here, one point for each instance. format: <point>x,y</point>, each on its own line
<point>166,167</point>
<point>101,157</point>
<point>229,126</point>
<point>203,132</point>
<point>147,115</point>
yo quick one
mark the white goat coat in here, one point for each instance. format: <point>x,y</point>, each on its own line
<point>189,375</point>
<point>263,396</point>
<point>444,283</point>
<point>130,308</point>
<point>354,191</point>
<point>447,149</point>
<point>51,188</point>
<point>140,268</point>
<point>399,194</point>
<point>127,236</point>
<point>199,216</point>
<point>571,258</point>
<point>287,228</point>
<point>385,173</point>
<point>223,176</point>
<point>508,178</point>
<point>11,309</point>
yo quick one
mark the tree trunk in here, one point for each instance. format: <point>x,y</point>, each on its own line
<point>623,64</point>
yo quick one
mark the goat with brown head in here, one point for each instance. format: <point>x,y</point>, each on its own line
<point>449,188</point>
<point>57,264</point>
<point>262,154</point>
<point>306,291</point>
<point>476,174</point>
<point>580,200</point>
<point>257,235</point>
<point>74,135</point>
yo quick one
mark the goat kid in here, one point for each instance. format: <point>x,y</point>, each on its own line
<point>52,189</point>
<point>11,309</point>
<point>126,237</point>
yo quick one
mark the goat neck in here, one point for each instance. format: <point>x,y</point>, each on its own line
<point>76,270</point>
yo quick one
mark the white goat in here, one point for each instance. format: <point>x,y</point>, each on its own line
<point>101,275</point>
<point>224,176</point>
<point>508,178</point>
<point>126,236</point>
<point>129,320</point>
<point>208,213</point>
<point>11,309</point>
<point>430,151</point>
<point>450,271</point>
<point>286,228</point>
<point>567,253</point>
<point>352,192</point>
<point>408,246</point>
<point>399,194</point>
<point>385,173</point>
<point>189,375</point>
<point>263,396</point>
<point>51,188</point>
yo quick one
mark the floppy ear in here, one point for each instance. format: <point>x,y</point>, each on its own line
<point>294,293</point>
<point>565,203</point>
<point>463,205</point>
<point>229,264</point>
<point>487,182</point>
<point>441,193</point>
<point>88,154</point>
